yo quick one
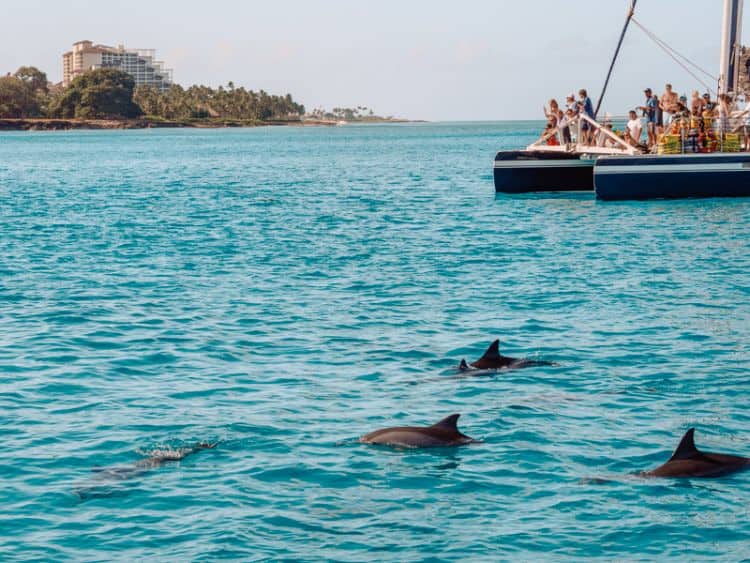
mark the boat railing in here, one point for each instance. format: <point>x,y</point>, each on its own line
<point>603,138</point>
<point>682,135</point>
<point>689,134</point>
<point>607,141</point>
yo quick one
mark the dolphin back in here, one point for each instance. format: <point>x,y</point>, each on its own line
<point>441,434</point>
<point>688,461</point>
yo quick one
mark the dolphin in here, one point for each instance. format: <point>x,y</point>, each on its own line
<point>440,435</point>
<point>687,461</point>
<point>156,459</point>
<point>492,359</point>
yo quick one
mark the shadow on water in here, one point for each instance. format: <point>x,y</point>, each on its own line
<point>93,492</point>
<point>440,458</point>
<point>523,366</point>
<point>655,484</point>
<point>543,196</point>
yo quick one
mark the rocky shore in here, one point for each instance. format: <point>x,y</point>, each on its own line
<point>33,124</point>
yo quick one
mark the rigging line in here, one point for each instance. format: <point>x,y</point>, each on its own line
<point>680,63</point>
<point>631,11</point>
<point>666,46</point>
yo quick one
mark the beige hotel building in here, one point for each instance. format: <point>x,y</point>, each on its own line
<point>138,63</point>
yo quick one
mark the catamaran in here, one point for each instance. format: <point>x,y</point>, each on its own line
<point>685,162</point>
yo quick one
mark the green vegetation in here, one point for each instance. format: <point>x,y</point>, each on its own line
<point>358,114</point>
<point>351,114</point>
<point>201,102</point>
<point>111,94</point>
<point>24,94</point>
<point>104,93</point>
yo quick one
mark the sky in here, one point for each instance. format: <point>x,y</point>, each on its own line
<point>437,60</point>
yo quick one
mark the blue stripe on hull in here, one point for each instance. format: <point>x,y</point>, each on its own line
<point>688,176</point>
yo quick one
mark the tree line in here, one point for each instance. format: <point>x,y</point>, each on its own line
<point>349,114</point>
<point>198,102</point>
<point>112,94</point>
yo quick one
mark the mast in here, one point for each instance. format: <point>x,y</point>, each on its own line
<point>631,11</point>
<point>737,58</point>
<point>729,57</point>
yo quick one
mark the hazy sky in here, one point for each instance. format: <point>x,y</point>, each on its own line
<point>435,60</point>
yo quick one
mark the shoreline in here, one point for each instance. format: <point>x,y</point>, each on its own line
<point>46,124</point>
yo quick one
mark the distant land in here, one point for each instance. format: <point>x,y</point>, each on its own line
<point>106,98</point>
<point>51,124</point>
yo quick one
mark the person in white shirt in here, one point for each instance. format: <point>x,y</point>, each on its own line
<point>634,129</point>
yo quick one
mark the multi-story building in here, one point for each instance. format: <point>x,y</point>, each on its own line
<point>139,63</point>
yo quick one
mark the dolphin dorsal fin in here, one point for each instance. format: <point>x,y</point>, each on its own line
<point>448,423</point>
<point>493,352</point>
<point>686,449</point>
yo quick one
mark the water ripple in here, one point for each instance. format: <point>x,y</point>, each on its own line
<point>285,291</point>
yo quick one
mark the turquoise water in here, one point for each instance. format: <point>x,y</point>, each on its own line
<point>283,291</point>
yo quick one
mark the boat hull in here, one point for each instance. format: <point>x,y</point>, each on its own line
<point>672,177</point>
<point>525,171</point>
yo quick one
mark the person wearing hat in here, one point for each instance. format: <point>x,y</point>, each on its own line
<point>564,126</point>
<point>649,112</point>
<point>571,111</point>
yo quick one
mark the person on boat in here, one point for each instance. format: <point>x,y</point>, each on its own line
<point>709,105</point>
<point>602,139</point>
<point>570,104</point>
<point>554,109</point>
<point>564,126</point>
<point>697,104</point>
<point>649,112</point>
<point>549,135</point>
<point>706,141</point>
<point>587,108</point>
<point>659,117</point>
<point>681,116</point>
<point>723,111</point>
<point>634,129</point>
<point>743,118</point>
<point>556,114</point>
<point>669,101</point>
<point>571,111</point>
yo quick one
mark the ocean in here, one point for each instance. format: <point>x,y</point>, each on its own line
<point>282,291</point>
